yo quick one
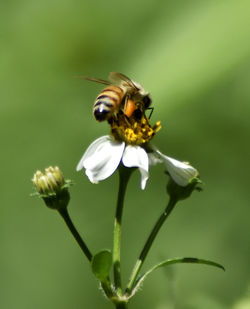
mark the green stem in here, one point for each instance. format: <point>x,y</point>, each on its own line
<point>124,175</point>
<point>65,215</point>
<point>121,305</point>
<point>148,244</point>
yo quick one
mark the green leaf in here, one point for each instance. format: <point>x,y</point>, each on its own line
<point>189,260</point>
<point>101,264</point>
<point>193,260</point>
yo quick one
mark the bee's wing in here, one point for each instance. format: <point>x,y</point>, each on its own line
<point>97,80</point>
<point>119,77</point>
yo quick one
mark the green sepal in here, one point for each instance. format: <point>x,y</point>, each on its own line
<point>179,193</point>
<point>193,260</point>
<point>100,264</point>
<point>68,183</point>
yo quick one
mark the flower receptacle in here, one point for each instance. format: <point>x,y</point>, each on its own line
<point>177,192</point>
<point>52,187</point>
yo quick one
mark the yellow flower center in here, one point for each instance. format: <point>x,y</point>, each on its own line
<point>133,131</point>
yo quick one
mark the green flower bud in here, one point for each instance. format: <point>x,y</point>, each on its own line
<point>177,192</point>
<point>52,187</point>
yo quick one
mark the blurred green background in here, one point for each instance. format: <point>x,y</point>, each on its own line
<point>194,58</point>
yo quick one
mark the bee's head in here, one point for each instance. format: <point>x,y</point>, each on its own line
<point>142,95</point>
<point>146,101</point>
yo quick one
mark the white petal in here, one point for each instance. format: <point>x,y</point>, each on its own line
<point>144,178</point>
<point>101,158</point>
<point>136,156</point>
<point>154,159</point>
<point>181,172</point>
<point>91,150</point>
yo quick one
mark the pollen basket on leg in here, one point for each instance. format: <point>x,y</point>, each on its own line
<point>133,131</point>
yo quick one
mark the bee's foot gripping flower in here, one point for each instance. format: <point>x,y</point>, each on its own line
<point>132,131</point>
<point>52,187</point>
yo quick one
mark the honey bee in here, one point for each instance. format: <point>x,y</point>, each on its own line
<point>121,94</point>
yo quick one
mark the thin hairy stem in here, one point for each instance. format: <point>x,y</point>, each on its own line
<point>65,215</point>
<point>124,175</point>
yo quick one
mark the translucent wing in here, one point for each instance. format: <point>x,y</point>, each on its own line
<point>97,80</point>
<point>117,78</point>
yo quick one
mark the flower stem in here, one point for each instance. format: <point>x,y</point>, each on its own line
<point>65,215</point>
<point>124,175</point>
<point>121,305</point>
<point>170,206</point>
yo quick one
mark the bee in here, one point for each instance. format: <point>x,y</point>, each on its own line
<point>121,94</point>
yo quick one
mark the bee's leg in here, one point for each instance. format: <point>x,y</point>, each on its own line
<point>127,120</point>
<point>151,111</point>
<point>116,117</point>
<point>123,118</point>
<point>128,111</point>
<point>124,103</point>
<point>112,119</point>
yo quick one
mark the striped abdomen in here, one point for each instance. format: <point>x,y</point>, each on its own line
<point>107,102</point>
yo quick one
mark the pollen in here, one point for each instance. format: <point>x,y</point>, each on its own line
<point>133,131</point>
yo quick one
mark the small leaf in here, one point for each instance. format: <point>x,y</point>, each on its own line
<point>101,264</point>
<point>188,260</point>
<point>193,260</point>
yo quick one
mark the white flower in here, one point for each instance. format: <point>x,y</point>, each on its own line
<point>104,155</point>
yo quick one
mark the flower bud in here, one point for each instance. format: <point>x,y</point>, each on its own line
<point>52,187</point>
<point>177,192</point>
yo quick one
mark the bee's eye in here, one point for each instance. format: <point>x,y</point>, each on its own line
<point>147,101</point>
